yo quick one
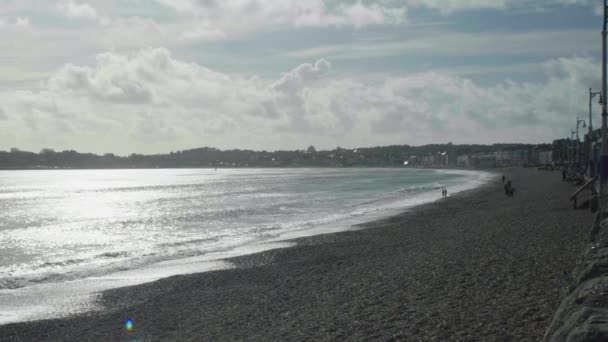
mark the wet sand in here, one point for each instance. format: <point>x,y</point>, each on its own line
<point>476,266</point>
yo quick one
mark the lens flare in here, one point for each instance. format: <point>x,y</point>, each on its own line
<point>129,324</point>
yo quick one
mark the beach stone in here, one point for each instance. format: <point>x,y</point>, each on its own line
<point>604,223</point>
<point>583,314</point>
<point>593,269</point>
<point>587,325</point>
<point>601,236</point>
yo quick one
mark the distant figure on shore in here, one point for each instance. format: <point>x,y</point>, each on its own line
<point>445,192</point>
<point>503,179</point>
<point>509,189</point>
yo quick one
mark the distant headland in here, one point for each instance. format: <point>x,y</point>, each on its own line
<point>436,155</point>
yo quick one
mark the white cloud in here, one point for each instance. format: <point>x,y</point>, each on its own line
<point>72,9</point>
<point>22,22</point>
<point>151,101</point>
<point>133,33</point>
<point>233,17</point>
<point>202,32</point>
<point>451,6</point>
<point>358,14</point>
<point>300,76</point>
<point>14,23</point>
<point>575,2</point>
<point>463,44</point>
<point>577,70</point>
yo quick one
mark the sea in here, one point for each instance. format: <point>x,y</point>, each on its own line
<point>67,235</point>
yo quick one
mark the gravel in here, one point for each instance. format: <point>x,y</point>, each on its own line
<point>476,266</point>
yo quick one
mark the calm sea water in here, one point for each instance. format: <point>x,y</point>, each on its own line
<point>68,233</point>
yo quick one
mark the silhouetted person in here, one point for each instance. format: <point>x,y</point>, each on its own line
<point>445,192</point>
<point>509,189</point>
<point>503,179</point>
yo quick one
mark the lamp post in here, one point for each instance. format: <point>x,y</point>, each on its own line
<point>571,148</point>
<point>603,198</point>
<point>577,143</point>
<point>578,122</point>
<point>592,94</point>
<point>591,158</point>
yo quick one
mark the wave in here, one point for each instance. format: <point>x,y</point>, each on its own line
<point>218,231</point>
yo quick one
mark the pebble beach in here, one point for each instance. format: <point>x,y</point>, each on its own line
<point>476,266</point>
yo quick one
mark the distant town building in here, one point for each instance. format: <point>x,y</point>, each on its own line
<point>504,158</point>
<point>484,160</point>
<point>561,150</point>
<point>478,160</point>
<point>545,157</point>
<point>464,161</point>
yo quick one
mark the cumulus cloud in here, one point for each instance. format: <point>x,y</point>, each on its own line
<point>72,9</point>
<point>150,101</point>
<point>576,69</point>
<point>151,126</point>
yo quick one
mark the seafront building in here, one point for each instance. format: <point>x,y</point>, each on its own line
<point>581,155</point>
<point>535,156</point>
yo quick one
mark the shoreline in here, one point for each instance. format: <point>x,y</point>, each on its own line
<point>433,167</point>
<point>75,296</point>
<point>395,279</point>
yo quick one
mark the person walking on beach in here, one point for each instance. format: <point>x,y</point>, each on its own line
<point>445,192</point>
<point>509,189</point>
<point>503,179</point>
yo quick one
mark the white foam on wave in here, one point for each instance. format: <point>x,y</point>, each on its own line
<point>61,299</point>
<point>393,206</point>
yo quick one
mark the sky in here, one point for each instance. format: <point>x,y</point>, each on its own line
<point>154,76</point>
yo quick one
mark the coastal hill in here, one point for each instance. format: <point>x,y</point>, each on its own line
<point>385,156</point>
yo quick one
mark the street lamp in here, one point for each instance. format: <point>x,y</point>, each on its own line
<point>591,155</point>
<point>577,143</point>
<point>571,148</point>
<point>603,198</point>
<point>578,122</point>
<point>592,94</point>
